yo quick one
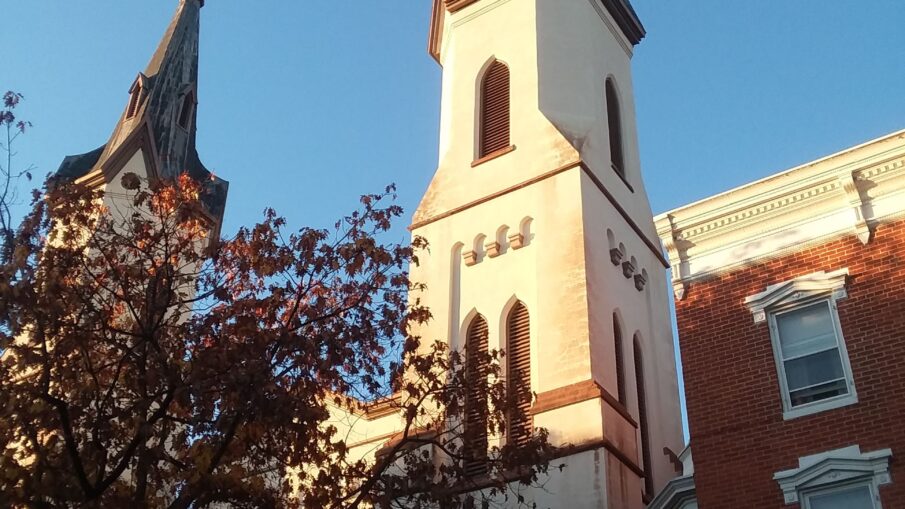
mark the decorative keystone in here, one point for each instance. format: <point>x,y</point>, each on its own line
<point>616,256</point>
<point>517,241</point>
<point>493,249</point>
<point>628,268</point>
<point>470,257</point>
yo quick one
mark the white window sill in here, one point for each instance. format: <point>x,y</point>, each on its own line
<point>820,406</point>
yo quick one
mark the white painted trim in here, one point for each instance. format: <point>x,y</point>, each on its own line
<point>818,284</point>
<point>676,494</point>
<point>776,299</point>
<point>793,412</point>
<point>833,469</point>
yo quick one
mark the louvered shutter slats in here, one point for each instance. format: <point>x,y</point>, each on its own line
<point>519,375</point>
<point>495,109</point>
<point>475,440</point>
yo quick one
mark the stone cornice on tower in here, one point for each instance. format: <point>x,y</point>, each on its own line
<point>847,193</point>
<point>621,10</point>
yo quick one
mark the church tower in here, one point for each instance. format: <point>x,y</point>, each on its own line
<point>541,237</point>
<point>155,136</point>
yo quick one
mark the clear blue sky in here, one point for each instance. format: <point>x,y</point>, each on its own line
<point>306,104</point>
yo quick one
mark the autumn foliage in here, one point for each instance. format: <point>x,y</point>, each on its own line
<point>146,363</point>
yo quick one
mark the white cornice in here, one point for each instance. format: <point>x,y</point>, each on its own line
<point>887,142</point>
<point>852,190</point>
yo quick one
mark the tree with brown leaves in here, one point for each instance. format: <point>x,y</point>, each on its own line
<point>147,364</point>
<point>11,128</point>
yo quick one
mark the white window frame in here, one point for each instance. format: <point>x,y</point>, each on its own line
<point>794,294</point>
<point>850,398</point>
<point>874,497</point>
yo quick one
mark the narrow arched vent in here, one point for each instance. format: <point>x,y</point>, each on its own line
<point>185,113</point>
<point>494,126</point>
<point>518,375</point>
<point>475,432</point>
<point>134,99</point>
<point>614,122</point>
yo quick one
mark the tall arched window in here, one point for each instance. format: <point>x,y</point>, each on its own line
<point>620,367</point>
<point>614,122</point>
<point>518,375</point>
<point>643,421</point>
<point>475,432</point>
<point>494,125</point>
<point>185,113</point>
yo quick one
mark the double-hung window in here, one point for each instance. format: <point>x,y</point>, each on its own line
<point>811,359</point>
<point>810,354</point>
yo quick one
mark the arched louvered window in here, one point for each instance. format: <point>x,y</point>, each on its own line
<point>134,99</point>
<point>475,432</point>
<point>643,421</point>
<point>494,128</point>
<point>518,375</point>
<point>614,122</point>
<point>185,113</point>
<point>620,366</point>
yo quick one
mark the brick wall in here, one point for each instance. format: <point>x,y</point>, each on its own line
<point>738,434</point>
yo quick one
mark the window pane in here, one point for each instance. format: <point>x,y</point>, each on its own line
<point>852,498</point>
<point>806,330</point>
<point>823,391</point>
<point>814,369</point>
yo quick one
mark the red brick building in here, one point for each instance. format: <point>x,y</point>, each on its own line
<point>790,302</point>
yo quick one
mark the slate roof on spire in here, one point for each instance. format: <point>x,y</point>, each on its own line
<point>169,80</point>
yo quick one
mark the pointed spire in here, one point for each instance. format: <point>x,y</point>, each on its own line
<point>161,111</point>
<point>181,34</point>
<point>164,96</point>
<point>173,76</point>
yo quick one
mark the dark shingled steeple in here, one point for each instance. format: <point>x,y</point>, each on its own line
<point>160,115</point>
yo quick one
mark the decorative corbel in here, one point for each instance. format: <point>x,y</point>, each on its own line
<point>616,256</point>
<point>853,199</point>
<point>492,248</point>
<point>678,289</point>
<point>640,281</point>
<point>516,241</point>
<point>670,243</point>
<point>628,269</point>
<point>470,257</point>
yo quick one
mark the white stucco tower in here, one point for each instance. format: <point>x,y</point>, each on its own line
<point>538,204</point>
